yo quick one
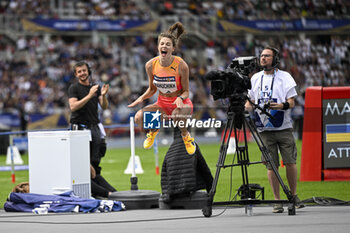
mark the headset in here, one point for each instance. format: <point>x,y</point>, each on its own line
<point>81,63</point>
<point>276,57</point>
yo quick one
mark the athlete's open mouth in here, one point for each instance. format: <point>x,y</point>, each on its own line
<point>163,52</point>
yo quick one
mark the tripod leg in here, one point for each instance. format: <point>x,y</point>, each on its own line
<point>207,210</point>
<point>243,160</point>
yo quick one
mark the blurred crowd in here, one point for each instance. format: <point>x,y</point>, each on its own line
<point>222,9</point>
<point>83,9</point>
<point>256,9</point>
<point>35,73</point>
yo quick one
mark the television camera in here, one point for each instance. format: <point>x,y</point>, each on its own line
<point>233,83</point>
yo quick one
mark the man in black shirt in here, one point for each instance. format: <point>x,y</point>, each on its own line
<point>84,97</point>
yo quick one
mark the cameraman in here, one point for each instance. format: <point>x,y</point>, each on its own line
<point>274,90</point>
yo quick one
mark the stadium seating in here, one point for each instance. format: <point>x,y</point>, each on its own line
<point>35,68</point>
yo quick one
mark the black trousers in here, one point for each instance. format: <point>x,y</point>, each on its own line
<point>95,148</point>
<point>100,187</point>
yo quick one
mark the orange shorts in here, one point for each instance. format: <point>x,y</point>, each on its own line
<point>168,106</point>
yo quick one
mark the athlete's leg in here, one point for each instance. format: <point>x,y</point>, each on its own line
<point>152,133</point>
<point>149,108</point>
<point>181,116</point>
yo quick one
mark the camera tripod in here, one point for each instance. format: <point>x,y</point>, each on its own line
<point>247,190</point>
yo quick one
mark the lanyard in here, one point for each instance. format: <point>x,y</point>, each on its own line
<point>271,88</point>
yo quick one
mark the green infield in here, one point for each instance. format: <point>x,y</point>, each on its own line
<point>116,160</point>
